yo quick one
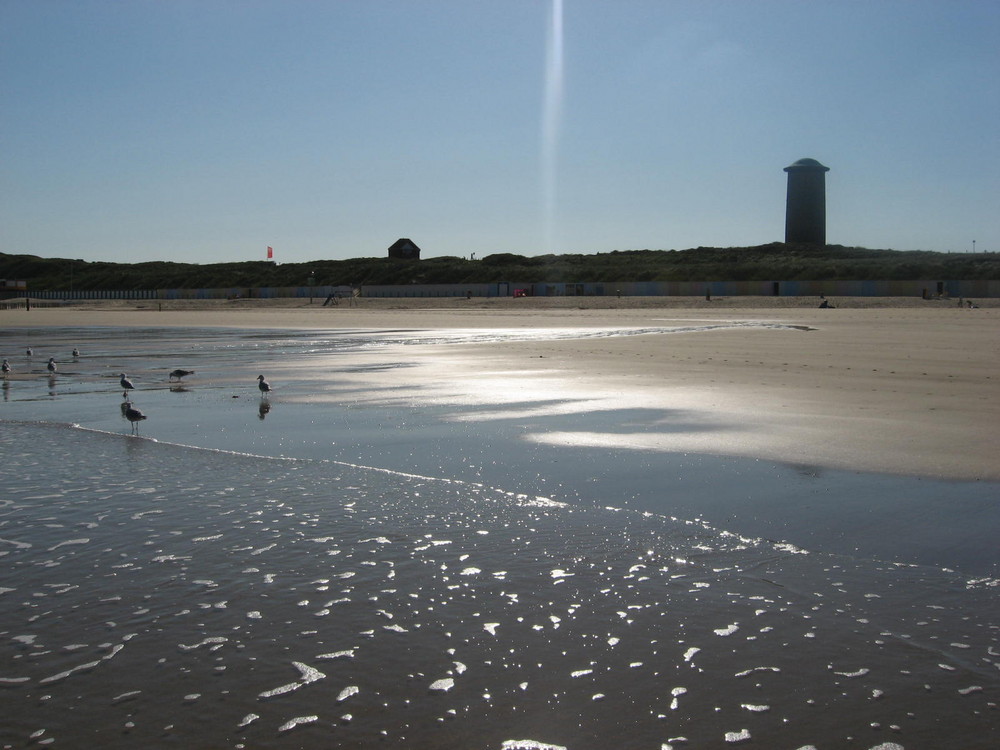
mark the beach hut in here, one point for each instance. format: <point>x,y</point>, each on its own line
<point>404,249</point>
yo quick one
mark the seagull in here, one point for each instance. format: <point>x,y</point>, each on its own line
<point>126,385</point>
<point>180,374</point>
<point>52,365</point>
<point>264,386</point>
<point>134,416</point>
<point>28,353</point>
<point>5,367</point>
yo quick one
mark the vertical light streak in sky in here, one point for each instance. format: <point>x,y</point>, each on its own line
<point>550,121</point>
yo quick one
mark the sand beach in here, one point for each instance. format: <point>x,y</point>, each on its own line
<point>894,385</point>
<point>482,523</point>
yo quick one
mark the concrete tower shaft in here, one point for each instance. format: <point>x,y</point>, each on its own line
<point>805,205</point>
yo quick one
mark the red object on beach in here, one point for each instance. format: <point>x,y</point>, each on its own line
<point>270,252</point>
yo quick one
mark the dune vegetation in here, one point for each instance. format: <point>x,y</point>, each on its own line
<point>763,262</point>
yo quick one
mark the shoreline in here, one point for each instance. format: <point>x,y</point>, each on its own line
<point>900,388</point>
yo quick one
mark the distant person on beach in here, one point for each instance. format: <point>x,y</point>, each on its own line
<point>824,303</point>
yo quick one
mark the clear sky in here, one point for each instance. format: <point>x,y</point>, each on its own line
<point>206,130</point>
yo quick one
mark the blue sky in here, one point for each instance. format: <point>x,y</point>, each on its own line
<point>206,130</point>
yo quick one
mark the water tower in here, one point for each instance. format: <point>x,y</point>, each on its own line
<point>805,206</point>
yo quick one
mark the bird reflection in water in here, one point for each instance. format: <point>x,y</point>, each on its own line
<point>263,409</point>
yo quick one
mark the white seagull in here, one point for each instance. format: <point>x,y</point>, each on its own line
<point>52,365</point>
<point>76,352</point>
<point>264,386</point>
<point>5,367</point>
<point>126,385</point>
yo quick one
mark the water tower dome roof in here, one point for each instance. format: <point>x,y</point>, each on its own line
<point>804,164</point>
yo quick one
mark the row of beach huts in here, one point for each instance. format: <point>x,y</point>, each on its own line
<point>928,289</point>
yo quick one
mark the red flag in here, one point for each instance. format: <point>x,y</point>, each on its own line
<point>270,252</point>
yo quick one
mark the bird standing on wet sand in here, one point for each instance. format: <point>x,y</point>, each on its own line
<point>5,367</point>
<point>52,365</point>
<point>134,416</point>
<point>180,374</point>
<point>76,352</point>
<point>126,385</point>
<point>264,386</point>
<point>28,353</point>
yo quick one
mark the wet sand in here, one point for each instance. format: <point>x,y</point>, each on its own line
<point>155,595</point>
<point>900,386</point>
<point>436,536</point>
